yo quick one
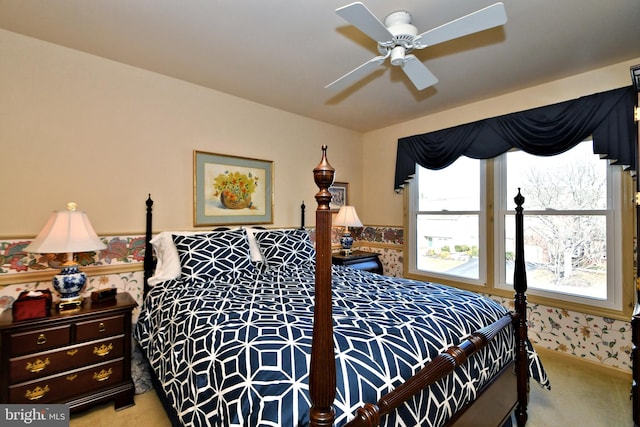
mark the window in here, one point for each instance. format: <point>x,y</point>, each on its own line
<point>573,237</point>
<point>447,222</point>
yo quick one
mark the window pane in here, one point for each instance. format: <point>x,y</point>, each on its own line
<point>448,244</point>
<point>454,188</point>
<point>574,180</point>
<point>563,253</point>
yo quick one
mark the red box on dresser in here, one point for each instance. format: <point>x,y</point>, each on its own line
<point>32,305</point>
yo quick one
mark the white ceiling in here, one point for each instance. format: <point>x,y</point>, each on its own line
<point>283,52</point>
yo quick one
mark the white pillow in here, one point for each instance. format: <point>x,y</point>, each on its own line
<point>254,249</point>
<point>167,260</point>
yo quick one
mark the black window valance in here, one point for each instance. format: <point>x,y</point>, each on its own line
<point>543,131</point>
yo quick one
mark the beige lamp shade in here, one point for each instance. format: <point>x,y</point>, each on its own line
<point>347,217</point>
<point>66,232</point>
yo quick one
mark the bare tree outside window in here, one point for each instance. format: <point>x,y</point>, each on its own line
<point>566,199</point>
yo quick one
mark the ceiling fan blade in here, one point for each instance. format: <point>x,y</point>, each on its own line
<point>361,17</point>
<point>418,73</point>
<point>355,74</point>
<point>483,19</point>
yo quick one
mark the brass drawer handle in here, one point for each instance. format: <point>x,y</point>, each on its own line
<point>72,377</point>
<point>41,339</point>
<point>72,352</point>
<point>37,393</point>
<point>101,327</point>
<point>103,350</point>
<point>102,375</point>
<point>37,366</point>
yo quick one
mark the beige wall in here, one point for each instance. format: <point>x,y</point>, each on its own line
<point>75,127</point>
<point>382,206</point>
<point>78,127</point>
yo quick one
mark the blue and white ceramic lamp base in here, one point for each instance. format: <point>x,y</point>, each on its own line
<point>70,283</point>
<point>346,241</point>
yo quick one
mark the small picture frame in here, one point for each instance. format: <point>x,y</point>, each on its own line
<point>231,190</point>
<point>339,195</point>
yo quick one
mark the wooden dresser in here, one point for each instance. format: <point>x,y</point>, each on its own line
<point>80,359</point>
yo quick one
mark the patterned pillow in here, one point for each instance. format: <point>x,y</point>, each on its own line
<point>167,260</point>
<point>285,247</point>
<point>205,256</point>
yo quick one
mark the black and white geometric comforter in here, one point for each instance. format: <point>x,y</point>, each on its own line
<point>236,351</point>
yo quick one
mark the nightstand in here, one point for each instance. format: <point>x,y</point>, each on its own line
<point>81,359</point>
<point>360,260</point>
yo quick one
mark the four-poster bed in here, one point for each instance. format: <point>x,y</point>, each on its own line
<point>289,339</point>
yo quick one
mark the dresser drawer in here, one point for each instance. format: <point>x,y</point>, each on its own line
<point>31,367</point>
<point>69,384</point>
<point>97,329</point>
<point>39,340</point>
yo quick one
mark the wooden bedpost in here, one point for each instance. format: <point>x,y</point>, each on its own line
<point>148,252</point>
<point>322,373</point>
<point>520,320</point>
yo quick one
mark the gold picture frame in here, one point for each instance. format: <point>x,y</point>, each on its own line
<point>339,195</point>
<point>231,190</point>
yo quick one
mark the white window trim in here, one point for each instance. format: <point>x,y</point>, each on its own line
<point>412,202</point>
<point>614,235</point>
<point>620,276</point>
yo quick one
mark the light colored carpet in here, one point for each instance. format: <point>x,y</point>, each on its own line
<point>579,396</point>
<point>147,412</point>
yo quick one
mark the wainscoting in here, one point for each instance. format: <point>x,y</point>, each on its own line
<point>596,339</point>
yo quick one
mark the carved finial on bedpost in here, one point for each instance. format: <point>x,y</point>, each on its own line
<point>323,175</point>
<point>519,199</point>
<point>520,287</point>
<point>302,209</point>
<point>322,373</point>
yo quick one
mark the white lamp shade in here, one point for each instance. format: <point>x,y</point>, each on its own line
<point>66,232</point>
<point>347,217</point>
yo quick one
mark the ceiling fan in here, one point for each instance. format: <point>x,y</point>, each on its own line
<point>397,38</point>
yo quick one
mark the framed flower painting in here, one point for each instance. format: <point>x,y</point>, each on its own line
<point>231,190</point>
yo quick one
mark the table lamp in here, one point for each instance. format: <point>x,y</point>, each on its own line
<point>67,231</point>
<point>347,217</point>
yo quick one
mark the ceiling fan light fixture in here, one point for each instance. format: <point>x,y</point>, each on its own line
<point>397,55</point>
